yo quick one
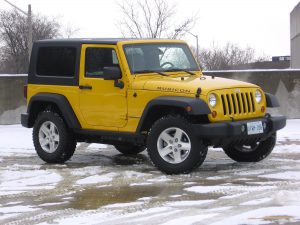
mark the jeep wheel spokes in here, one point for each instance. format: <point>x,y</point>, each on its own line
<point>49,137</point>
<point>173,145</point>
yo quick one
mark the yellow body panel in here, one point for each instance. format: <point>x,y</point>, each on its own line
<point>70,92</point>
<point>103,105</point>
<point>106,107</point>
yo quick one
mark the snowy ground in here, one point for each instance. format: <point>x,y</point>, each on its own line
<point>100,186</point>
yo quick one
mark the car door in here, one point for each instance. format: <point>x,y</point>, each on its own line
<point>101,103</point>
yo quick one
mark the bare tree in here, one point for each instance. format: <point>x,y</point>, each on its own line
<point>152,19</point>
<point>69,31</point>
<point>224,58</point>
<point>14,39</point>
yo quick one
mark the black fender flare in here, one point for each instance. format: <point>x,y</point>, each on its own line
<point>61,102</point>
<point>272,101</point>
<point>199,107</point>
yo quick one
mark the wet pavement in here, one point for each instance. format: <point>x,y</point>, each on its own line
<point>100,186</point>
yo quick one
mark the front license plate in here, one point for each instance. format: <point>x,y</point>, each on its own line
<point>255,127</point>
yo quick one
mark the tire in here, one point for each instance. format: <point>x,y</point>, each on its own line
<point>172,146</point>
<point>255,153</point>
<point>57,148</point>
<point>129,149</point>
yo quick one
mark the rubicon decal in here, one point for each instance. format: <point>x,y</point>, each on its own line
<point>181,90</point>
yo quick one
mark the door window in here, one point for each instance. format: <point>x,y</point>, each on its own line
<point>98,58</point>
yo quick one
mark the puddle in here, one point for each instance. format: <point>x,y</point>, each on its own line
<point>94,198</point>
<point>280,219</point>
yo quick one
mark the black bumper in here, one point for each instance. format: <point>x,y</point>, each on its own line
<point>238,129</point>
<point>25,120</point>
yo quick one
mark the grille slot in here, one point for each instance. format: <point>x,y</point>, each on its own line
<point>252,100</point>
<point>224,106</point>
<point>238,103</point>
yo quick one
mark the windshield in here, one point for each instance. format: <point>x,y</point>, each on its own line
<point>159,57</point>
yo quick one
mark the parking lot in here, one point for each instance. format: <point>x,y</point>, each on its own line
<point>100,186</point>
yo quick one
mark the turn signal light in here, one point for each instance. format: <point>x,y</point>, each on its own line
<point>214,114</point>
<point>263,109</point>
<point>188,108</point>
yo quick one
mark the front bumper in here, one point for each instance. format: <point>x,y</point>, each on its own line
<point>238,129</point>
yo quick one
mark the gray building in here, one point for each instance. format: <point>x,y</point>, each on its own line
<point>295,37</point>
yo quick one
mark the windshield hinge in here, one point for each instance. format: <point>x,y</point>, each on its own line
<point>198,92</point>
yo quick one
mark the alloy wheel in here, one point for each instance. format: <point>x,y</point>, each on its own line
<point>173,145</point>
<point>49,137</point>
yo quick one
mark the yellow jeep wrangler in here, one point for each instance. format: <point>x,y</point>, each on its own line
<point>137,94</point>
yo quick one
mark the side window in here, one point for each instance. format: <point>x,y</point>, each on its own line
<point>56,61</point>
<point>98,58</point>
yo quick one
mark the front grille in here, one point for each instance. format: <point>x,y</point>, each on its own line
<point>238,103</point>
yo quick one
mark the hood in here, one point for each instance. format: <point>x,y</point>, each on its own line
<point>189,85</point>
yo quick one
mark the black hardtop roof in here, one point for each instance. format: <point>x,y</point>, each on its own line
<point>91,40</point>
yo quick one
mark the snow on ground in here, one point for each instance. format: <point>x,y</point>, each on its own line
<point>100,186</point>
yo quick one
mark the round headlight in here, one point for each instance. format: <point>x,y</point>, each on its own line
<point>212,99</point>
<point>258,96</point>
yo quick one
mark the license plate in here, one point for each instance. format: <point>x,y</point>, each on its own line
<point>255,127</point>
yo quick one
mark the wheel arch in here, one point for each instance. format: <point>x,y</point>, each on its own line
<point>60,103</point>
<point>272,101</point>
<point>165,105</point>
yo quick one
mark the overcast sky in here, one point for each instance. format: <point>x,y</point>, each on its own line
<point>261,24</point>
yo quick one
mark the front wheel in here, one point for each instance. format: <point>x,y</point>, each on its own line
<point>254,152</point>
<point>172,146</point>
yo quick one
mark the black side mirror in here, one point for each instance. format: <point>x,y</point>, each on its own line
<point>112,73</point>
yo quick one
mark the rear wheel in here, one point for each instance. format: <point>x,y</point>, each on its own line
<point>53,142</point>
<point>172,146</point>
<point>254,152</point>
<point>129,149</point>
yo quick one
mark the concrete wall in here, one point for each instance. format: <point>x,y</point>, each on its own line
<point>12,102</point>
<point>295,37</point>
<point>285,84</point>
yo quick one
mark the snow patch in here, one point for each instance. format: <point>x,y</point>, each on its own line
<point>263,216</point>
<point>88,170</point>
<point>96,146</point>
<point>290,175</point>
<point>159,179</point>
<point>257,202</point>
<point>53,203</point>
<point>16,139</point>
<point>97,179</point>
<point>28,180</point>
<point>287,198</point>
<point>134,174</point>
<point>288,149</point>
<point>120,205</point>
<point>17,209</point>
<point>207,189</point>
<point>189,219</point>
<point>217,178</point>
<point>218,209</point>
<point>140,184</point>
<point>189,203</point>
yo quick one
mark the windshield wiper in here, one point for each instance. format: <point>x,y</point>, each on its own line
<point>178,70</point>
<point>151,71</point>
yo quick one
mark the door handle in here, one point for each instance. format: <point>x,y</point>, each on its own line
<point>85,87</point>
